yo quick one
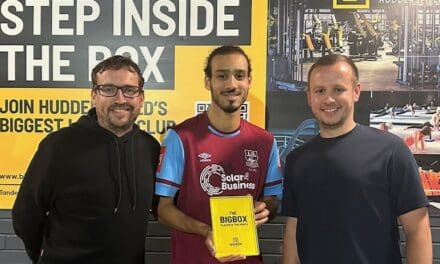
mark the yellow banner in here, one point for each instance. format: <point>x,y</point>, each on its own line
<point>29,114</point>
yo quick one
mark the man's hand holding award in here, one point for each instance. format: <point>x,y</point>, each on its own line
<point>233,227</point>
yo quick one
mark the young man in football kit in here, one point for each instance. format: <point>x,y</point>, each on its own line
<point>216,153</point>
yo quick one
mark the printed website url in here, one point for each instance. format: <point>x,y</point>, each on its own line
<point>11,176</point>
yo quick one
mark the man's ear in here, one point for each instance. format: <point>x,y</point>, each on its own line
<point>207,83</point>
<point>357,92</point>
<point>93,97</point>
<point>308,96</point>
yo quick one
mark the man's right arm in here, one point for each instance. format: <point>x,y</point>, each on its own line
<point>29,212</point>
<point>28,222</point>
<point>172,216</point>
<point>290,249</point>
<point>168,179</point>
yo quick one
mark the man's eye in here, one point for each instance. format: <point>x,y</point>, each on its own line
<point>130,90</point>
<point>240,76</point>
<point>108,89</point>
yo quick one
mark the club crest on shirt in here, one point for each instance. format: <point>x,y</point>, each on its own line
<point>204,157</point>
<point>251,157</point>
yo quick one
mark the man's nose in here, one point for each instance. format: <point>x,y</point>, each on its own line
<point>231,82</point>
<point>330,98</point>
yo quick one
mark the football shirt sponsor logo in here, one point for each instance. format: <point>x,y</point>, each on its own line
<point>214,180</point>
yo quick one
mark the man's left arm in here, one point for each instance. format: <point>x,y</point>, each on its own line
<point>266,208</point>
<point>409,200</point>
<point>418,236</point>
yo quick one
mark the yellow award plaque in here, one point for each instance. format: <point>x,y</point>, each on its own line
<point>233,226</point>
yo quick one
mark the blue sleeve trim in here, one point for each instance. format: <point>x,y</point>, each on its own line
<point>173,162</point>
<point>274,173</point>
<point>163,189</point>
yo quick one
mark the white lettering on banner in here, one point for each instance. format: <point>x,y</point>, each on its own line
<point>144,16</point>
<point>171,25</point>
<point>47,43</point>
<point>12,51</point>
<point>37,5</point>
<point>43,63</point>
<point>94,51</point>
<point>182,18</point>
<point>131,15</point>
<point>152,63</point>
<point>81,16</point>
<point>159,11</point>
<point>151,60</point>
<point>222,17</point>
<point>116,18</point>
<point>58,63</point>
<point>57,17</point>
<point>209,13</point>
<point>51,59</point>
<point>12,18</point>
<point>32,62</point>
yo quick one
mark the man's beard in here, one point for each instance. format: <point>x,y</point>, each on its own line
<point>335,125</point>
<point>229,106</point>
<point>124,126</point>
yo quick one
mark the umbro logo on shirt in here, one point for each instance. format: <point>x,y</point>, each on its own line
<point>204,157</point>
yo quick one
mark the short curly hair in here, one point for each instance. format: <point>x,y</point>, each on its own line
<point>224,50</point>
<point>117,62</point>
